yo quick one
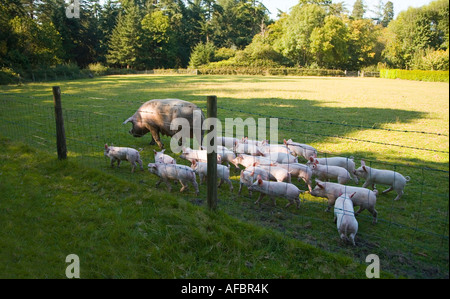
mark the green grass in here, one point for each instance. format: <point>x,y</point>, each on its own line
<point>411,237</point>
<point>52,208</point>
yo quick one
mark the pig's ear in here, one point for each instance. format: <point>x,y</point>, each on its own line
<point>163,150</point>
<point>154,152</point>
<point>284,141</point>
<point>128,120</point>
<point>363,163</point>
<point>311,159</point>
<point>364,167</point>
<point>260,181</point>
<point>351,196</point>
<point>106,146</point>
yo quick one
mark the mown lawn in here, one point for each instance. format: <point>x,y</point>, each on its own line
<point>393,124</point>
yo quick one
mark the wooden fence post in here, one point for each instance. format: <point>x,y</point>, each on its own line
<point>212,157</point>
<point>60,132</point>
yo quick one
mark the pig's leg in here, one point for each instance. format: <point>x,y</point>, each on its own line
<point>118,163</point>
<point>274,201</point>
<point>155,135</point>
<point>359,211</point>
<point>352,239</point>
<point>366,183</point>
<point>399,194</point>
<point>220,183</point>
<point>112,162</point>
<point>140,164</point>
<point>158,182</point>
<point>133,164</point>
<point>168,185</point>
<point>184,186</point>
<point>387,190</point>
<point>240,188</point>
<point>231,185</point>
<point>261,195</point>
<point>194,183</point>
<point>374,214</point>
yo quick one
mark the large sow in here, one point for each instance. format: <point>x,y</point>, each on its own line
<point>155,116</point>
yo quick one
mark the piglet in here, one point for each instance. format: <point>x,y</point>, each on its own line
<point>344,217</point>
<point>364,198</point>
<point>160,157</point>
<point>343,162</point>
<point>119,154</point>
<point>328,172</point>
<point>395,180</point>
<point>300,171</point>
<point>184,174</point>
<point>276,189</point>
<point>249,175</point>
<point>247,160</point>
<point>277,173</point>
<point>299,149</point>
<point>223,172</point>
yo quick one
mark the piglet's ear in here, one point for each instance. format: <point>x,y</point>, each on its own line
<point>106,146</point>
<point>311,159</point>
<point>163,150</point>
<point>351,196</point>
<point>284,141</point>
<point>363,163</point>
<point>320,186</point>
<point>260,181</point>
<point>365,169</point>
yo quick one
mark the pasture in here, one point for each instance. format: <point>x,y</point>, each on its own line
<point>392,124</point>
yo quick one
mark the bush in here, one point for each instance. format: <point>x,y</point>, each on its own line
<point>417,75</point>
<point>97,69</point>
<point>8,76</point>
<point>202,54</point>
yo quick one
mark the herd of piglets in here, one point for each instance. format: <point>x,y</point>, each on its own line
<point>269,170</point>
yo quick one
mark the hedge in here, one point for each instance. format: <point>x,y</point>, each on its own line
<point>417,75</point>
<point>269,71</point>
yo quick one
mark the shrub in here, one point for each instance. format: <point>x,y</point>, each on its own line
<point>98,69</point>
<point>8,76</point>
<point>417,75</point>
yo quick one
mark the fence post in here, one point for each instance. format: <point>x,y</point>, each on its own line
<point>212,156</point>
<point>60,132</point>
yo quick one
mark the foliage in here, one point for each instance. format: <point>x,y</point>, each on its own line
<point>202,54</point>
<point>417,75</point>
<point>163,34</point>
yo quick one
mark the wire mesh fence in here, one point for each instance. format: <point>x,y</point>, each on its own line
<point>411,234</point>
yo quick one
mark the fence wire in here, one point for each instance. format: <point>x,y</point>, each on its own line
<point>409,230</point>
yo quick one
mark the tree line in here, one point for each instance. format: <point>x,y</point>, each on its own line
<point>149,34</point>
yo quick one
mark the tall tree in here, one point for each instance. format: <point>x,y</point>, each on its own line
<point>358,10</point>
<point>125,39</point>
<point>388,14</point>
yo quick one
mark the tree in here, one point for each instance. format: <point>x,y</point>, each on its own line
<point>125,39</point>
<point>415,30</point>
<point>358,10</point>
<point>295,41</point>
<point>363,44</point>
<point>158,49</point>
<point>329,43</point>
<point>388,14</point>
<point>202,54</point>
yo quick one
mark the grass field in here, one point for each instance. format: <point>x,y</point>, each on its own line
<point>393,124</point>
